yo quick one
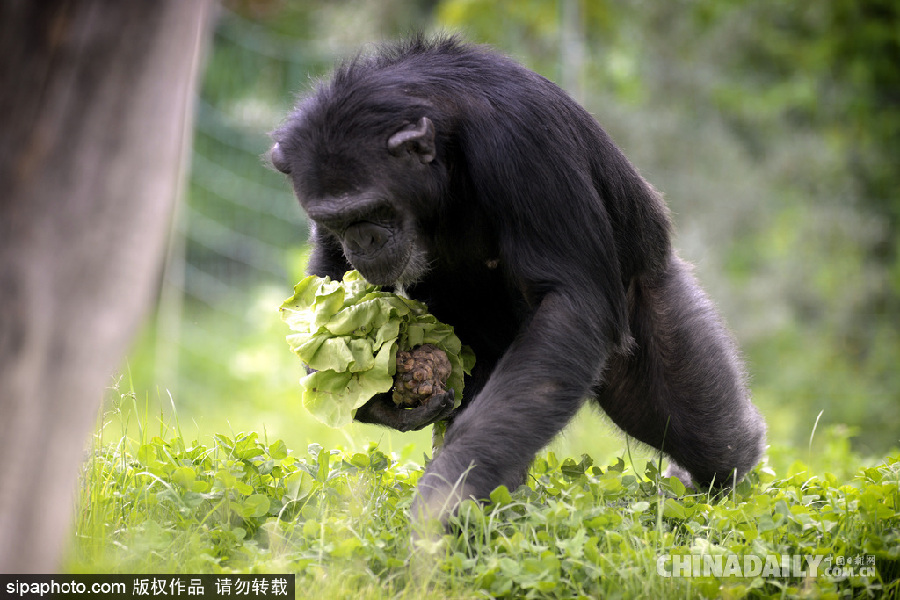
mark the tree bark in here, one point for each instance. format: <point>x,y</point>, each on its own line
<point>95,104</point>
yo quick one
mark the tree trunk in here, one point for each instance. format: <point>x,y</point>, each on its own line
<point>95,104</point>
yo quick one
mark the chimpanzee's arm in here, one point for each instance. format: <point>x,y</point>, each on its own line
<point>536,388</point>
<point>381,410</point>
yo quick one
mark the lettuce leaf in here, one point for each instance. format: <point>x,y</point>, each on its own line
<point>348,332</point>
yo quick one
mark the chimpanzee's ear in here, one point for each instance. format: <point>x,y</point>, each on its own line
<point>416,138</point>
<point>279,160</point>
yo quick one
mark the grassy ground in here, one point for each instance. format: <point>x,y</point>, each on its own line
<point>156,501</point>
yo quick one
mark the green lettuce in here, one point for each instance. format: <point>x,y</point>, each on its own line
<point>348,332</point>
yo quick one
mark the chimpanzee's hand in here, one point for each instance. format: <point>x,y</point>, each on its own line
<point>381,410</point>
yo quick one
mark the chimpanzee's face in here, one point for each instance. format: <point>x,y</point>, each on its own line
<point>370,194</point>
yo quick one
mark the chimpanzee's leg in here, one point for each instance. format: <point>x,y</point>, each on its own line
<point>683,388</point>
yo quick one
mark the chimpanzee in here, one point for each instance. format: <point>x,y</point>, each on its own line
<point>482,189</point>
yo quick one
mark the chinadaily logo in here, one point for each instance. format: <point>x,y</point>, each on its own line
<point>772,565</point>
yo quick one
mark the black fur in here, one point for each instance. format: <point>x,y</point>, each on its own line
<point>511,213</point>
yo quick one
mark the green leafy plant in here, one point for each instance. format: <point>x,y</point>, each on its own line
<point>340,522</point>
<point>348,332</point>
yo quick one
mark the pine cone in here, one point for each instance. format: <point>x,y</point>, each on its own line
<point>421,373</point>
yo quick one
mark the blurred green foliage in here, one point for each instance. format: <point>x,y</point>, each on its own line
<point>773,128</point>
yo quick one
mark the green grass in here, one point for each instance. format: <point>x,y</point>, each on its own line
<point>156,502</point>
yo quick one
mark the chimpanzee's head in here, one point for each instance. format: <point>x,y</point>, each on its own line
<point>372,178</point>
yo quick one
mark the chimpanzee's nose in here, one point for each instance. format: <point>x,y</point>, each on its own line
<point>365,237</point>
